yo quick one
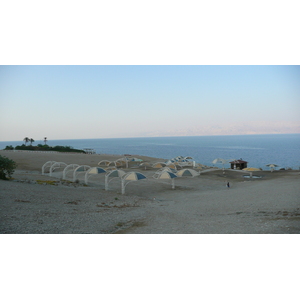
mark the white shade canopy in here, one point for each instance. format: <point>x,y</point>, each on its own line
<point>104,162</point>
<point>82,168</point>
<point>134,176</point>
<point>93,171</point>
<point>187,173</point>
<point>129,177</point>
<point>112,175</point>
<point>159,165</point>
<point>166,175</point>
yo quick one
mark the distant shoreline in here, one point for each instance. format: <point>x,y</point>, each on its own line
<point>257,150</point>
<point>154,137</point>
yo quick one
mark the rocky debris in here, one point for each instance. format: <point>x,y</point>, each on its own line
<point>60,182</point>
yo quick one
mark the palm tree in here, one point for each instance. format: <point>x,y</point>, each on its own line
<point>26,140</point>
<point>45,140</point>
<point>31,141</point>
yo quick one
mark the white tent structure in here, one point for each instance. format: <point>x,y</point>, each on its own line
<point>178,158</point>
<point>167,169</point>
<point>172,166</point>
<point>187,173</point>
<point>145,165</point>
<point>129,177</point>
<point>48,164</point>
<point>119,163</point>
<point>105,163</point>
<point>68,169</point>
<point>56,165</point>
<point>112,175</point>
<point>199,166</point>
<point>93,171</point>
<point>159,165</point>
<point>82,168</point>
<point>182,161</point>
<point>166,175</point>
<point>188,157</point>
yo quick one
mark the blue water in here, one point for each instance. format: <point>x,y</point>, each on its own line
<point>258,150</point>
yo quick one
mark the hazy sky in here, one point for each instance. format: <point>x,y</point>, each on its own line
<point>70,102</point>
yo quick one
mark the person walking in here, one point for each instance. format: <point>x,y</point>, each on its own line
<point>228,185</point>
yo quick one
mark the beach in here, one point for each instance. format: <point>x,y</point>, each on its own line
<point>36,203</point>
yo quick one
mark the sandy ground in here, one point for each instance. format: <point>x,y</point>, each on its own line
<point>36,203</point>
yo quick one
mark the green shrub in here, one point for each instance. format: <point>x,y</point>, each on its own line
<point>9,147</point>
<point>7,167</point>
<point>41,147</point>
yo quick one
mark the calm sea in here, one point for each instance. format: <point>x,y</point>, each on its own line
<point>258,150</point>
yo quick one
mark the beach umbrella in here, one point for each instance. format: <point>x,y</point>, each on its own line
<point>187,173</point>
<point>93,171</point>
<point>129,177</point>
<point>251,169</point>
<point>167,175</point>
<point>272,166</point>
<point>112,175</point>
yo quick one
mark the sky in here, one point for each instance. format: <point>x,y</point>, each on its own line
<point>111,101</point>
<point>127,69</point>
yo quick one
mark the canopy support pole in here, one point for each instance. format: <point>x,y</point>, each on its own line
<point>123,186</point>
<point>106,183</point>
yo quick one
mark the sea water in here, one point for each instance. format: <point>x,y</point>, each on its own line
<point>257,150</point>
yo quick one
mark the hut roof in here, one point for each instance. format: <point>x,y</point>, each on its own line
<point>238,161</point>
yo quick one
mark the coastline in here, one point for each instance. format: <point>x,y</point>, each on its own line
<point>258,150</point>
<point>201,204</point>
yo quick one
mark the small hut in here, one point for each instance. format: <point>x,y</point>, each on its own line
<point>238,164</point>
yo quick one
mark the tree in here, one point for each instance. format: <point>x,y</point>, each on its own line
<point>7,167</point>
<point>9,147</point>
<point>31,141</point>
<point>45,140</point>
<point>26,140</point>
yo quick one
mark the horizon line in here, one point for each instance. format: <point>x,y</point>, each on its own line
<point>166,136</point>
